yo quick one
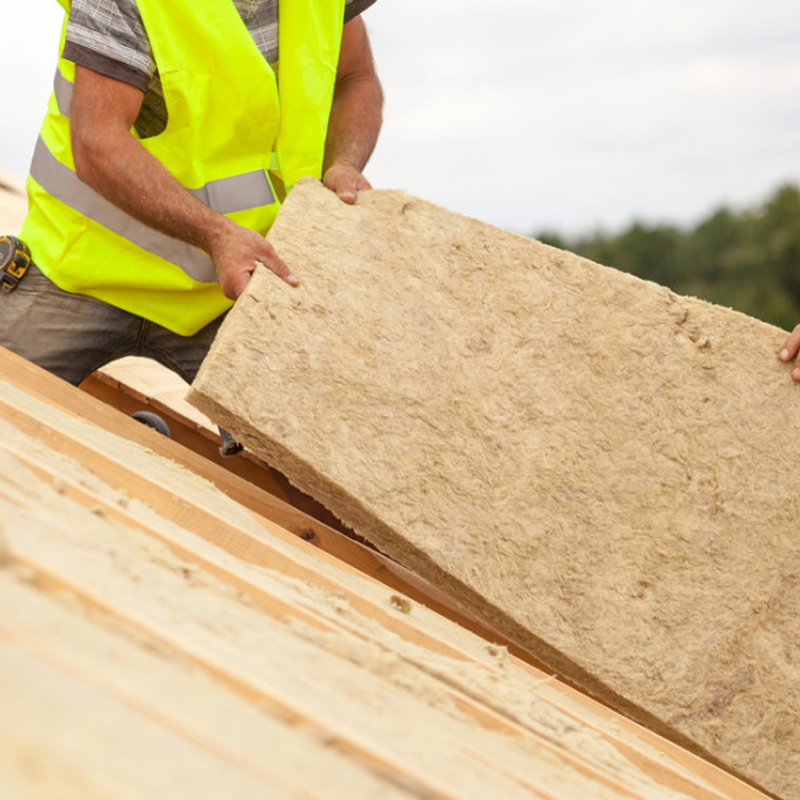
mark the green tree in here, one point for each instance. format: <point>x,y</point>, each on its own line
<point>748,260</point>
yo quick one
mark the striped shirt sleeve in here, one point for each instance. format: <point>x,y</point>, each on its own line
<point>108,36</point>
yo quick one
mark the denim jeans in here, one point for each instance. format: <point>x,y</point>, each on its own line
<point>72,335</point>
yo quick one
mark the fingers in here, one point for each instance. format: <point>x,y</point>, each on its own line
<point>280,269</point>
<point>236,255</point>
<point>237,284</point>
<point>791,349</point>
<point>346,183</point>
<point>235,280</point>
<point>349,192</point>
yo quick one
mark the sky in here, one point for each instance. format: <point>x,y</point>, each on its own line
<point>561,115</point>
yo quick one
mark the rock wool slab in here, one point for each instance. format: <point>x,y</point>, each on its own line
<point>602,470</point>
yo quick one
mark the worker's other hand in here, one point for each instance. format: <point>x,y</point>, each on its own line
<point>345,181</point>
<point>237,251</point>
<point>791,350</point>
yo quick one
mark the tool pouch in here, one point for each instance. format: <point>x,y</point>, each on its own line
<point>15,259</point>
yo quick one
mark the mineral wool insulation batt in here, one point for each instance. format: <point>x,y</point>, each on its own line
<point>604,471</point>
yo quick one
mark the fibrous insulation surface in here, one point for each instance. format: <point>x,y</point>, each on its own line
<point>601,469</point>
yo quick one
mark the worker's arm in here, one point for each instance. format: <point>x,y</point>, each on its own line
<point>110,160</point>
<point>356,115</point>
<point>791,350</point>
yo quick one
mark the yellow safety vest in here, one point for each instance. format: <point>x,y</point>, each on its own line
<point>230,122</point>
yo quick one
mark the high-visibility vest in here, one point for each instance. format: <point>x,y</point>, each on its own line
<point>230,123</point>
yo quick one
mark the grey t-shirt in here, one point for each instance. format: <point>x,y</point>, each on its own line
<point>108,36</point>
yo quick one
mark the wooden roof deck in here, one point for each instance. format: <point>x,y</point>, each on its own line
<point>171,628</point>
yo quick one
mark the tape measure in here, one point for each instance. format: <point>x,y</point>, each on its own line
<point>15,258</point>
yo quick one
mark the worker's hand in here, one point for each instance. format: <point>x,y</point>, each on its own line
<point>791,349</point>
<point>345,181</point>
<point>237,252</point>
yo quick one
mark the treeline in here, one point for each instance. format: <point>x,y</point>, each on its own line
<point>748,259</point>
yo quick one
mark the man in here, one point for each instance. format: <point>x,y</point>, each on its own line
<point>176,128</point>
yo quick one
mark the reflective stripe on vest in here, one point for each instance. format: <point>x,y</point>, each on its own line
<point>62,88</point>
<point>226,195</point>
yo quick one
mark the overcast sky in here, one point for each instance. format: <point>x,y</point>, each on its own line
<point>533,114</point>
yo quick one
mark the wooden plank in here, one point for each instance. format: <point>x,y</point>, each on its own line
<point>183,550</point>
<point>147,380</point>
<point>181,700</point>
<point>38,383</point>
<point>183,430</point>
<point>666,762</point>
<point>37,727</point>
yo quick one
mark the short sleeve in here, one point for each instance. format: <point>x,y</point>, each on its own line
<point>354,7</point>
<point>108,36</point>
